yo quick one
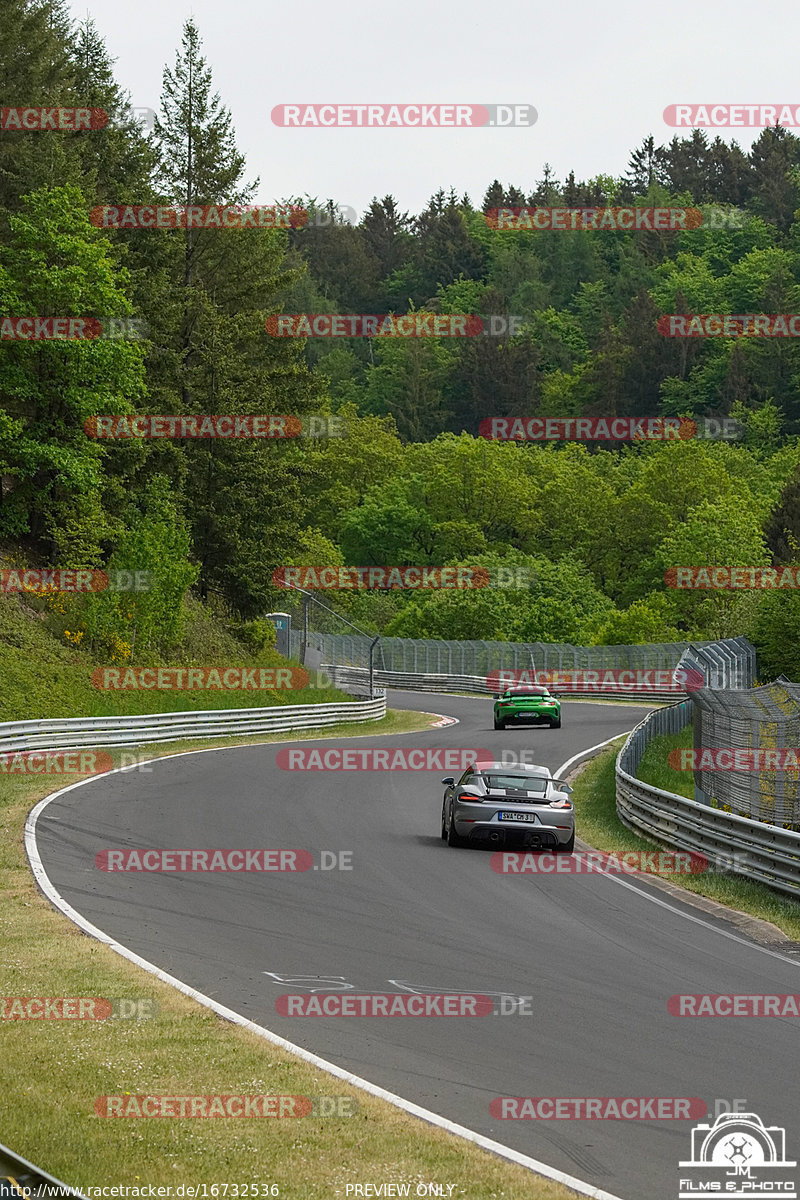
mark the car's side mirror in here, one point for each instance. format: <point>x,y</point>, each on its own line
<point>564,787</point>
<point>495,695</point>
<point>449,779</point>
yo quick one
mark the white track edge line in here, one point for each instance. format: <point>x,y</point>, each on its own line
<point>228,1014</point>
<point>647,894</point>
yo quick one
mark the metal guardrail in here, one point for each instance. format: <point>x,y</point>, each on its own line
<point>20,1178</point>
<point>168,727</point>
<point>767,853</point>
<point>352,677</point>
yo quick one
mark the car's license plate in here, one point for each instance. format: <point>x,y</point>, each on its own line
<point>510,816</point>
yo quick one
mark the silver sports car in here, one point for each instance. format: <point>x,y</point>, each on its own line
<point>501,805</point>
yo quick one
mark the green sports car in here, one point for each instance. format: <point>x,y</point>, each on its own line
<point>526,705</point>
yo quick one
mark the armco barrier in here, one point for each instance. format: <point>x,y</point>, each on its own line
<point>767,853</point>
<point>357,677</point>
<point>20,1178</point>
<point>169,727</point>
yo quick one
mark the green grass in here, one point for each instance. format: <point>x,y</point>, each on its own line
<point>656,770</point>
<point>598,824</point>
<point>43,677</point>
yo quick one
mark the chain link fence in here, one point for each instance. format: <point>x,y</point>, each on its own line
<point>728,664</point>
<point>756,849</point>
<point>757,720</point>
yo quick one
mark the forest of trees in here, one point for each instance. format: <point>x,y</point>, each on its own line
<point>412,482</point>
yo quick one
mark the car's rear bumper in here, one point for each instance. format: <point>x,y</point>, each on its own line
<point>502,833</point>
<point>527,836</point>
<point>532,714</point>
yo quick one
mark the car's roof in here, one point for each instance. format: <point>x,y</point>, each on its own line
<point>527,689</point>
<point>513,769</point>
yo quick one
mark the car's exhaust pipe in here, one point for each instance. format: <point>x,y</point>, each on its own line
<point>495,837</point>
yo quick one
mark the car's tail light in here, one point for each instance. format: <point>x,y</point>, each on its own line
<point>561,804</point>
<point>467,799</point>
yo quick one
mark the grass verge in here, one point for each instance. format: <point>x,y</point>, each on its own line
<point>655,769</point>
<point>52,1071</point>
<point>599,825</point>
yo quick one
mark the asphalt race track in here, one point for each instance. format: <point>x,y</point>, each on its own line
<point>600,958</point>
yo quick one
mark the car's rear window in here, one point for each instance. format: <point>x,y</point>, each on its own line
<point>525,783</point>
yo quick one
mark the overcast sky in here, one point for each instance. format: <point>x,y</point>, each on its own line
<point>599,75</point>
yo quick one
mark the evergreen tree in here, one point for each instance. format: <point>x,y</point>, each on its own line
<point>444,249</point>
<point>546,189</point>
<point>728,172</point>
<point>646,166</point>
<point>493,197</point>
<point>219,287</point>
<point>117,161</point>
<point>36,69</point>
<point>782,530</point>
<point>572,192</point>
<point>387,234</point>
<point>774,179</point>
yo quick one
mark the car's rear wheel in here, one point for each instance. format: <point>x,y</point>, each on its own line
<point>556,724</point>
<point>567,847</point>
<point>453,838</point>
<point>499,724</point>
<point>444,828</point>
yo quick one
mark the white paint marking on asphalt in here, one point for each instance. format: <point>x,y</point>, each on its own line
<point>414,1110</point>
<point>646,894</point>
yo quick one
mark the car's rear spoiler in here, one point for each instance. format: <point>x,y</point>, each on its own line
<point>551,692</point>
